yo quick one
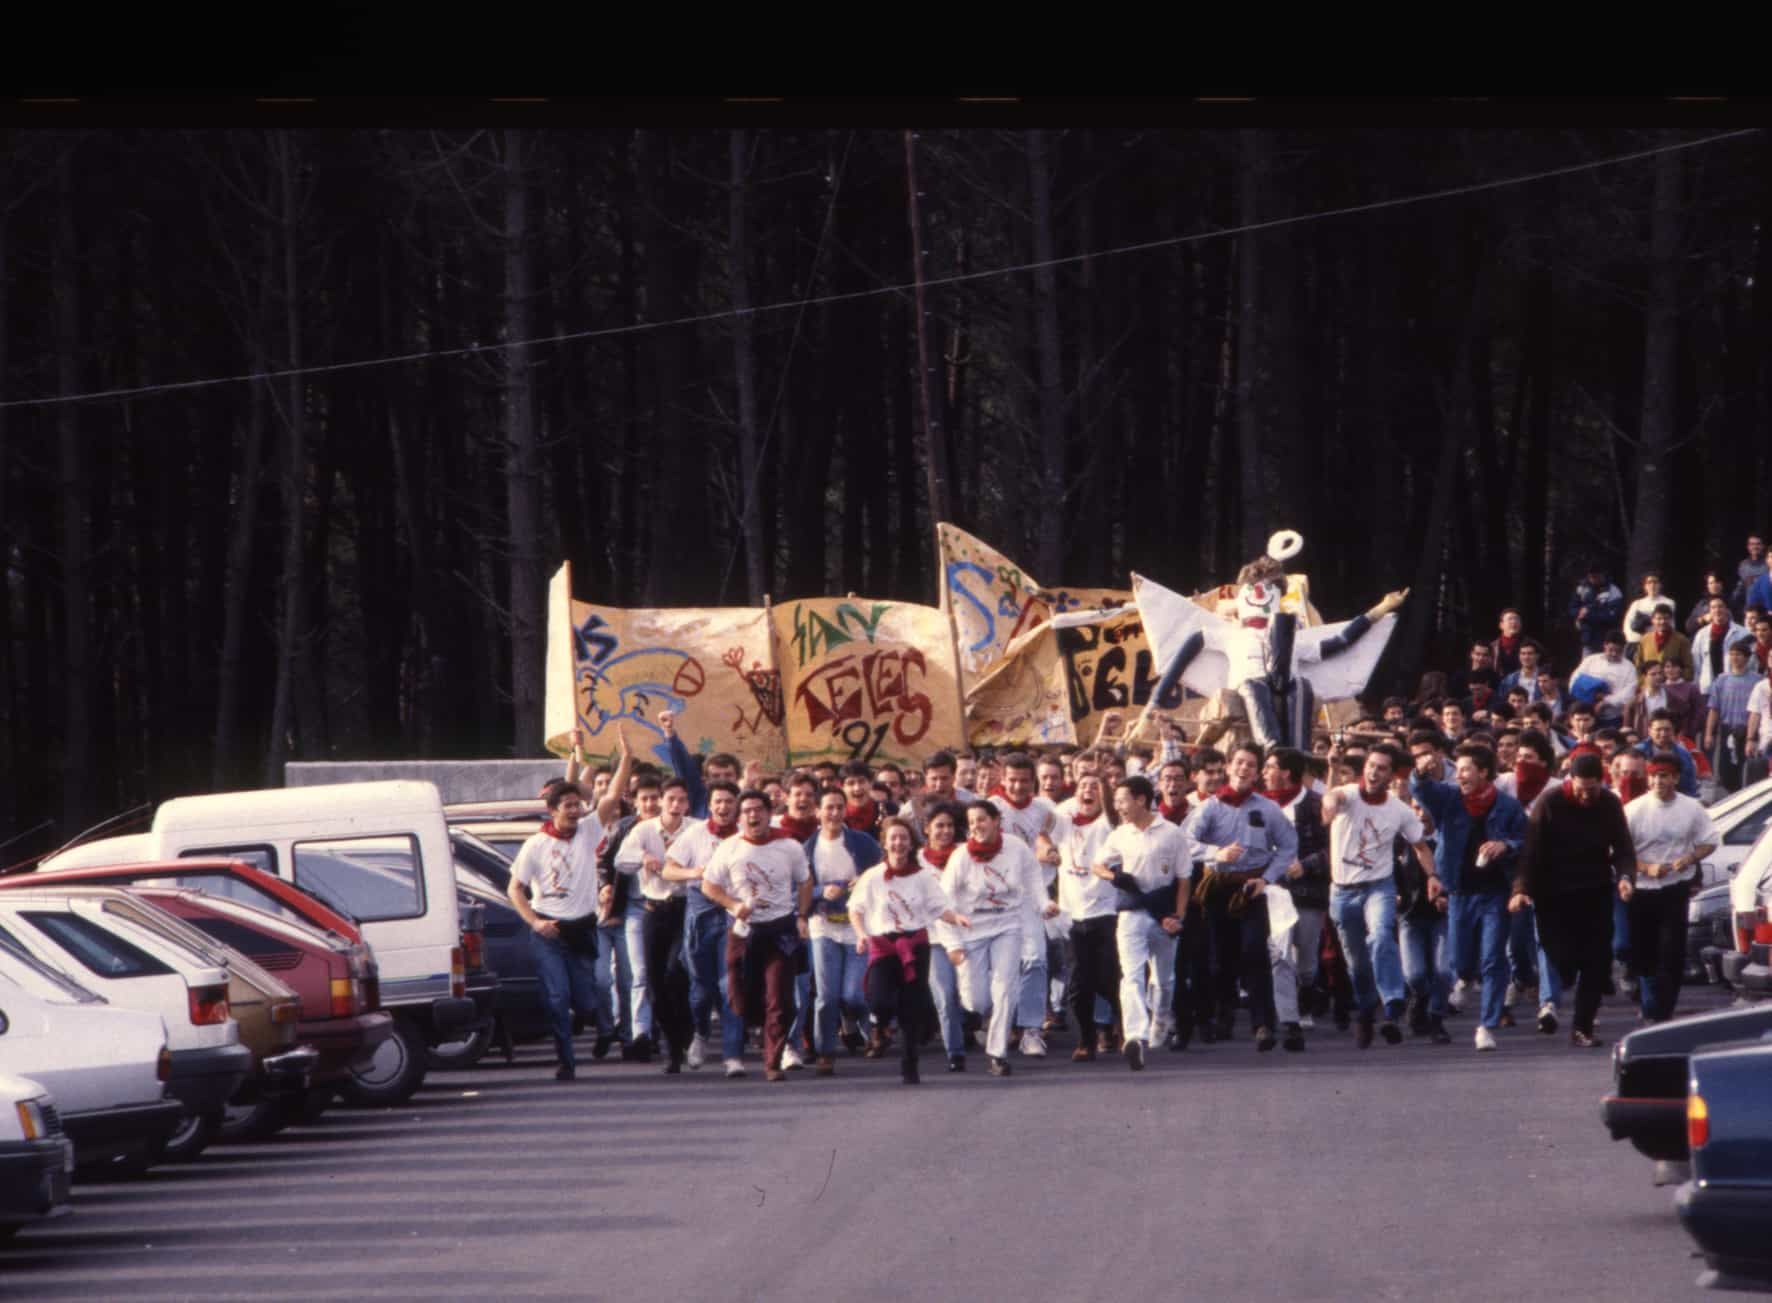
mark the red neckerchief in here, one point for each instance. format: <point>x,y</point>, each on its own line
<point>1530,776</point>
<point>1283,796</point>
<point>1019,805</point>
<point>983,851</point>
<point>1718,631</point>
<point>1478,804</point>
<point>799,829</point>
<point>1078,821</point>
<point>1661,636</point>
<point>1232,797</point>
<point>1384,795</point>
<point>1173,813</point>
<point>555,833</point>
<point>1508,644</point>
<point>915,866</point>
<point>862,817</point>
<point>1631,788</point>
<point>1479,694</point>
<point>769,835</point>
<point>938,859</point>
<point>1760,651</point>
<point>722,830</point>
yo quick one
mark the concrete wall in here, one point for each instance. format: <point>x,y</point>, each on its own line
<point>457,780</point>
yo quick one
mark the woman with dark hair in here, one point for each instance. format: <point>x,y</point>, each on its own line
<point>940,830</point>
<point>892,907</point>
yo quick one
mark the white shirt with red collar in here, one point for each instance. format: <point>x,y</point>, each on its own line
<point>561,872</point>
<point>766,876</point>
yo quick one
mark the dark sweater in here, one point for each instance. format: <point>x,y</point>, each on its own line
<point>1571,847</point>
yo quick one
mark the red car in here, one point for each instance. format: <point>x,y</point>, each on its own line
<point>315,950</point>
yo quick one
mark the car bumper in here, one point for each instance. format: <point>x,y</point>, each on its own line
<point>342,1041</point>
<point>1729,1225</point>
<point>104,1134</point>
<point>204,1080</point>
<point>288,1073</point>
<point>34,1179</point>
<point>452,1014</point>
<point>483,990</point>
<point>1656,1127</point>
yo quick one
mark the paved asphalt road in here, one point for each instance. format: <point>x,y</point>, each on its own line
<point>1412,1172</point>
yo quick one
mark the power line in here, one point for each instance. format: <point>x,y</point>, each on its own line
<point>728,314</point>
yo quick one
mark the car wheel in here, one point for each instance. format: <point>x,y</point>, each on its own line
<point>463,1053</point>
<point>190,1138</point>
<point>258,1120</point>
<point>393,1072</point>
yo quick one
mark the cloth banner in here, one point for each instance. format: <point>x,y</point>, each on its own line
<point>713,666</point>
<point>867,680</point>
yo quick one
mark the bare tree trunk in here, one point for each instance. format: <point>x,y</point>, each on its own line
<point>286,712</point>
<point>1048,363</point>
<point>522,464</point>
<point>242,520</point>
<point>934,449</point>
<point>1252,477</point>
<point>750,469</point>
<point>1654,505</point>
<point>76,543</point>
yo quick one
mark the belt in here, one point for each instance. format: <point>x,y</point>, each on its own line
<point>1002,909</point>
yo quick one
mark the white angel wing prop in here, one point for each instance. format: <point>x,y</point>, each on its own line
<point>1169,620</point>
<point>1346,672</point>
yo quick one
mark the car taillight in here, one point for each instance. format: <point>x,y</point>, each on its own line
<point>163,1065</point>
<point>1697,1122</point>
<point>285,1011</point>
<point>347,997</point>
<point>209,1005</point>
<point>458,974</point>
<point>473,948</point>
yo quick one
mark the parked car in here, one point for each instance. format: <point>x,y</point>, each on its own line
<point>1650,1070</point>
<point>1740,818</point>
<point>139,967</point>
<point>107,1068</point>
<point>1727,1205</point>
<point>481,874</point>
<point>1746,962</point>
<point>36,1156</point>
<point>505,825</point>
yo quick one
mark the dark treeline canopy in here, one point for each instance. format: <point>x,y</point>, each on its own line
<point>1473,395</point>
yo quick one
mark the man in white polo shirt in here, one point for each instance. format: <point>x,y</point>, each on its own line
<point>1365,819</point>
<point>1672,834</point>
<point>1147,858</point>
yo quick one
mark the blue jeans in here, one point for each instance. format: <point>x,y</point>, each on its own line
<point>1425,970</point>
<point>1030,1008</point>
<point>634,946</point>
<point>1476,923</point>
<point>704,944</point>
<point>1365,917</point>
<point>944,986</point>
<point>802,1010</point>
<point>838,971</point>
<point>611,975</point>
<point>568,981</point>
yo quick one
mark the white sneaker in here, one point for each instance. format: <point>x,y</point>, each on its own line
<point>1033,1044</point>
<point>791,1059</point>
<point>1511,996</point>
<point>734,1068</point>
<point>1455,1001</point>
<point>698,1051</point>
<point>1485,1039</point>
<point>1306,1021</point>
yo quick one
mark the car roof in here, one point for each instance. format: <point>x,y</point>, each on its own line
<point>494,811</point>
<point>376,802</point>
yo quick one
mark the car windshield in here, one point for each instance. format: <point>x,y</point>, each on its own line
<point>374,877</point>
<point>42,980</point>
<point>482,859</point>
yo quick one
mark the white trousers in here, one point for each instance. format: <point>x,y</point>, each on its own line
<point>1141,940</point>
<point>990,985</point>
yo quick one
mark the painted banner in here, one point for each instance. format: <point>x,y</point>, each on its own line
<point>713,666</point>
<point>867,680</point>
<point>992,601</point>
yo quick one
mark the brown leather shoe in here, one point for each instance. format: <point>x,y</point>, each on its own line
<point>774,1074</point>
<point>825,1067</point>
<point>1082,1054</point>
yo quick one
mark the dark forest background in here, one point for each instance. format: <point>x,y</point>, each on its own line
<point>1474,396</point>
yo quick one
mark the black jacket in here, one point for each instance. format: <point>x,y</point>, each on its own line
<point>1312,890</point>
<point>1571,847</point>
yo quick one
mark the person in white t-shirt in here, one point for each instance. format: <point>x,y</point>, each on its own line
<point>1672,834</point>
<point>1146,857</point>
<point>893,907</point>
<point>645,852</point>
<point>554,890</point>
<point>762,879</point>
<point>704,927</point>
<point>1028,818</point>
<point>995,882</point>
<point>1091,908</point>
<point>1365,819</point>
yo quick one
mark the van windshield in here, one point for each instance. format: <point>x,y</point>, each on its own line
<point>372,878</point>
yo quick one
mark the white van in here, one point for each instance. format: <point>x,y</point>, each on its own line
<point>378,853</point>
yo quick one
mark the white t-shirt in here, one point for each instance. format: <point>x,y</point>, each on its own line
<point>1619,676</point>
<point>832,864</point>
<point>904,904</point>
<point>561,873</point>
<point>1759,702</point>
<point>1663,831</point>
<point>648,837</point>
<point>764,877</point>
<point>996,894</point>
<point>1081,894</point>
<point>1361,837</point>
<point>1153,856</point>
